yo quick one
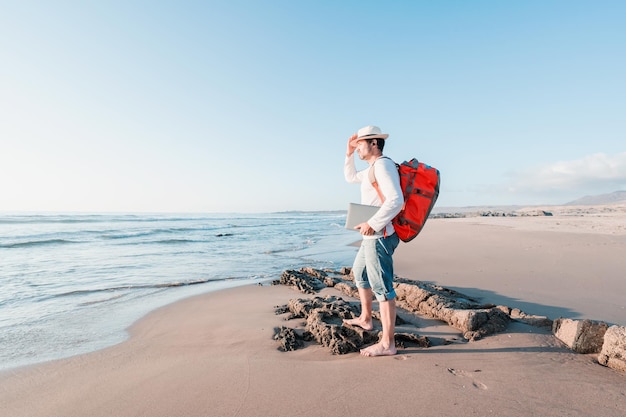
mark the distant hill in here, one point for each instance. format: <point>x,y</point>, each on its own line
<point>591,200</point>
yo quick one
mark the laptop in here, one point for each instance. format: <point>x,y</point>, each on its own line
<point>359,213</point>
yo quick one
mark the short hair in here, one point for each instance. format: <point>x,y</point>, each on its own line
<point>380,143</point>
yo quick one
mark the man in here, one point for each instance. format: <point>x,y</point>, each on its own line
<point>373,265</point>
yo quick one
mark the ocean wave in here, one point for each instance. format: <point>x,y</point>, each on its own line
<point>31,243</point>
<point>118,234</point>
<point>179,241</point>
<point>173,241</point>
<point>102,300</point>
<point>138,287</point>
<point>93,218</point>
<point>114,235</point>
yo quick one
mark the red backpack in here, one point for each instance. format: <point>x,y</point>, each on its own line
<point>420,188</point>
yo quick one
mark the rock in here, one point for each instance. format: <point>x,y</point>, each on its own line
<point>288,338</point>
<point>324,317</point>
<point>324,324</point>
<point>613,353</point>
<point>475,320</point>
<point>532,320</point>
<point>337,338</point>
<point>317,273</point>
<point>324,321</point>
<point>334,306</point>
<point>582,336</point>
<point>406,339</point>
<point>478,323</point>
<point>281,309</point>
<point>307,280</point>
<point>348,289</point>
<point>331,281</point>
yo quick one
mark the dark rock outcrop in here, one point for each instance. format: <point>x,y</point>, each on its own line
<point>288,338</point>
<point>307,280</point>
<point>473,318</point>
<point>324,322</point>
<point>324,317</point>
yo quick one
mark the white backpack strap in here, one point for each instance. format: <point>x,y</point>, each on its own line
<point>372,178</point>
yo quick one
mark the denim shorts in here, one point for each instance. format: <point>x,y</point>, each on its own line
<point>373,266</point>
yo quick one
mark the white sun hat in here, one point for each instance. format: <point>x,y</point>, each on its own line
<point>369,132</point>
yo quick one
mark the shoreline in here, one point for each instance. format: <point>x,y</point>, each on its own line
<point>75,283</point>
<point>213,354</point>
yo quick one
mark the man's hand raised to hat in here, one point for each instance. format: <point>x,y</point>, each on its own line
<point>351,147</point>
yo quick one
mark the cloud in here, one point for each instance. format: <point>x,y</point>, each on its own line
<point>598,171</point>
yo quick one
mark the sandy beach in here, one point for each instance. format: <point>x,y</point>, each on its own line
<point>214,355</point>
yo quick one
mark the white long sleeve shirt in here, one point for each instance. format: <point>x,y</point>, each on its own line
<point>389,184</point>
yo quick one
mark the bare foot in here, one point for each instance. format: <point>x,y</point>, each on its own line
<point>379,350</point>
<point>363,324</point>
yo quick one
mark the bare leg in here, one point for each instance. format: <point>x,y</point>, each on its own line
<point>365,319</point>
<point>387,345</point>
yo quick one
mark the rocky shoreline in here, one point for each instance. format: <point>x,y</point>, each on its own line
<point>324,318</point>
<point>532,211</point>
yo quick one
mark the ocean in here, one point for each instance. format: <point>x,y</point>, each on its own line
<point>73,283</point>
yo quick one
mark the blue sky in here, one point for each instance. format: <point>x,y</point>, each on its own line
<point>245,106</point>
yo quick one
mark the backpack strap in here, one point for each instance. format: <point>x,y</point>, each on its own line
<point>372,178</point>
